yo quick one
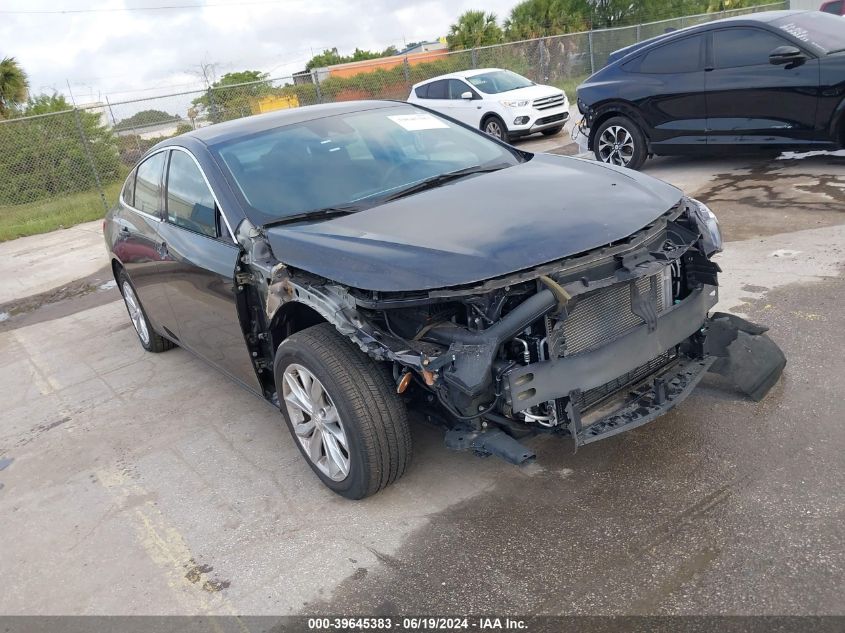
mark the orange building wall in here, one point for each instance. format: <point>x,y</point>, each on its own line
<point>386,63</point>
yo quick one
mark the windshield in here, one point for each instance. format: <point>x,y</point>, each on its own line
<point>499,81</point>
<point>822,30</point>
<point>354,159</point>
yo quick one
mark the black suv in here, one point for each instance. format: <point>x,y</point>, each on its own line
<point>773,80</point>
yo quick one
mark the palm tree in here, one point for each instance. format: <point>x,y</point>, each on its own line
<point>14,85</point>
<point>540,18</point>
<point>473,29</point>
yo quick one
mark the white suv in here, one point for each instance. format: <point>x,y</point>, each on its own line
<point>499,102</point>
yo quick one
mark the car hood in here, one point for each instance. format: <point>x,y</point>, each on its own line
<point>529,92</point>
<point>478,228</point>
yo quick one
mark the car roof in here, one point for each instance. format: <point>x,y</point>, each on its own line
<point>221,132</point>
<point>461,74</point>
<point>750,19</point>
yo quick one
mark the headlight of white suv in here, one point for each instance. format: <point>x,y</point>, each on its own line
<point>708,224</point>
<point>514,104</point>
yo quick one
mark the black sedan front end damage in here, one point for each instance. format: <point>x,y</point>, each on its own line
<point>585,347</point>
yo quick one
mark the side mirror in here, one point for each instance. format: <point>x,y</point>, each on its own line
<point>787,55</point>
<point>467,95</point>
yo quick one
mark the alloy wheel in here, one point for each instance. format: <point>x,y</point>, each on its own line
<point>493,128</point>
<point>316,422</point>
<point>135,313</point>
<point>616,146</point>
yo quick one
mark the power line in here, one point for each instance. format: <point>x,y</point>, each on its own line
<point>119,9</point>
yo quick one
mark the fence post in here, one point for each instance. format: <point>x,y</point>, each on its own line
<point>592,56</point>
<point>84,140</point>
<point>316,77</point>
<point>474,54</point>
<point>542,51</point>
<point>639,33</point>
<point>406,69</point>
<point>212,107</point>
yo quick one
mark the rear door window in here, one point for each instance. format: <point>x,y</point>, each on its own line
<point>683,56</point>
<point>733,48</point>
<point>438,89</point>
<point>457,88</point>
<point>148,184</point>
<point>189,200</point>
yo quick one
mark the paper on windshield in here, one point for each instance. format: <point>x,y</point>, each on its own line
<point>418,121</point>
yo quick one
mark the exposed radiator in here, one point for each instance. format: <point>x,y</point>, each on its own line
<point>604,315</point>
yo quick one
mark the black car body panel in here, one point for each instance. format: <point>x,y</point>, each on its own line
<point>510,220</point>
<point>553,295</point>
<point>724,97</point>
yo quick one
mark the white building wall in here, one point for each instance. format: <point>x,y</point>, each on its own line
<point>805,5</point>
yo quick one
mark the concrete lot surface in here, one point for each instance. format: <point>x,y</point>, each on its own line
<point>133,483</point>
<point>39,263</point>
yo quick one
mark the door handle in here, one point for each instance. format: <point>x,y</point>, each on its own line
<point>124,230</point>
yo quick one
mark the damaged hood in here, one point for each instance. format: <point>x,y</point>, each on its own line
<point>477,228</point>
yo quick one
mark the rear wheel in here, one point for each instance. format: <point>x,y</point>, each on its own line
<point>150,339</point>
<point>495,127</point>
<point>343,411</point>
<point>619,141</point>
<point>552,131</point>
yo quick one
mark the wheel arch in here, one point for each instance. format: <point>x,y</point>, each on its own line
<point>488,115</point>
<point>612,109</point>
<point>292,317</point>
<point>116,267</point>
<point>837,126</point>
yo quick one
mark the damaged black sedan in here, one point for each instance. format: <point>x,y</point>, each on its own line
<point>349,261</point>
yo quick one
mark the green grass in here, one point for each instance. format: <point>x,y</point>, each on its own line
<point>569,86</point>
<point>57,213</point>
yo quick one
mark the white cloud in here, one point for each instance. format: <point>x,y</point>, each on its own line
<point>133,54</point>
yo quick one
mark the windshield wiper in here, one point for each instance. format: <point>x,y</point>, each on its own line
<point>442,179</point>
<point>325,212</point>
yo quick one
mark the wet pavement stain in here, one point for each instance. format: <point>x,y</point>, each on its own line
<point>198,573</point>
<point>777,196</point>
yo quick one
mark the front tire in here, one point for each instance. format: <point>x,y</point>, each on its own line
<point>495,127</point>
<point>619,141</point>
<point>343,412</point>
<point>150,339</point>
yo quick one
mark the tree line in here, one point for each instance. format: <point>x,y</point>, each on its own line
<point>542,18</point>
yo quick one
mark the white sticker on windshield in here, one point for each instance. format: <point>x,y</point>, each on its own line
<point>419,121</point>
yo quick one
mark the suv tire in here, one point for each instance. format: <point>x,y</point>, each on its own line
<point>619,141</point>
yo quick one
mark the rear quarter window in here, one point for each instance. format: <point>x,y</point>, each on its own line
<point>683,56</point>
<point>128,191</point>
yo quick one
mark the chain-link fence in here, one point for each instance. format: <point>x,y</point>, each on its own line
<point>66,167</point>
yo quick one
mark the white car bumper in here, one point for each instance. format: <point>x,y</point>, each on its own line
<point>528,120</point>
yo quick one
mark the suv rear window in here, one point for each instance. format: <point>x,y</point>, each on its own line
<point>683,56</point>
